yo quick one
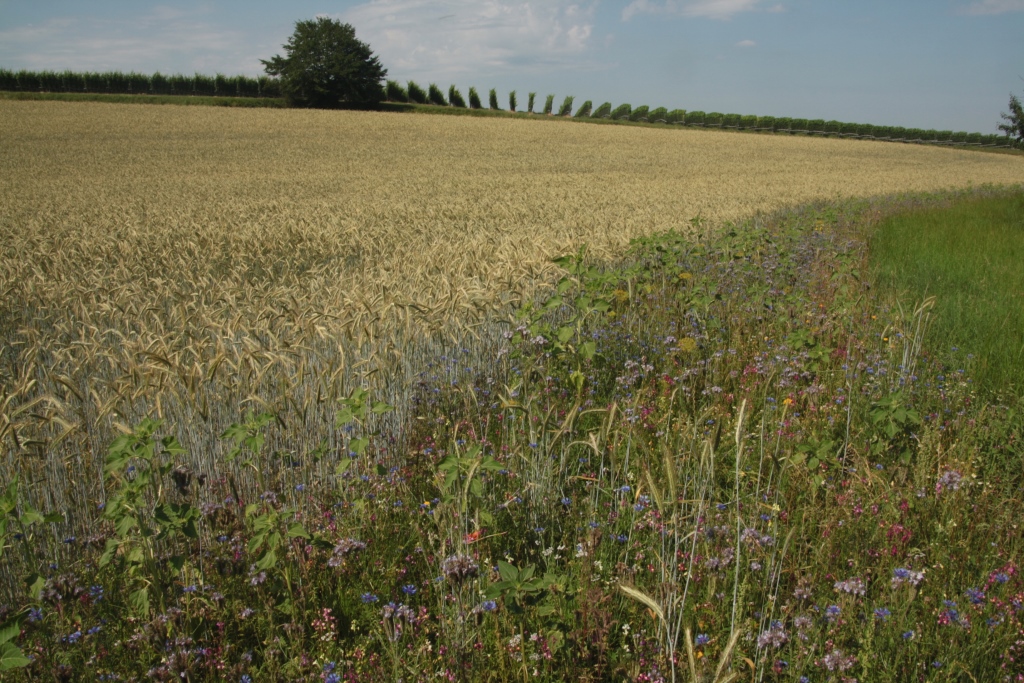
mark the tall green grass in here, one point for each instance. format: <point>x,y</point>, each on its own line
<point>969,258</point>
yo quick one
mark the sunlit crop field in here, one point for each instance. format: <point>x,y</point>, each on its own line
<point>189,263</point>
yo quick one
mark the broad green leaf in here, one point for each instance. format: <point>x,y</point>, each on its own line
<point>359,445</point>
<point>10,632</point>
<point>139,601</point>
<point>296,530</point>
<point>12,658</point>
<point>268,560</point>
<point>507,571</point>
<point>109,551</point>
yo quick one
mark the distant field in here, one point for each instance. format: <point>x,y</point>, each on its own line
<point>189,261</point>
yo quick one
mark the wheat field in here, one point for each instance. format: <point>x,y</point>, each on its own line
<point>189,263</point>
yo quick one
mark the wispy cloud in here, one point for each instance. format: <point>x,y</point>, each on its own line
<point>443,40</point>
<point>708,9</point>
<point>746,43</point>
<point>145,42</point>
<point>993,7</point>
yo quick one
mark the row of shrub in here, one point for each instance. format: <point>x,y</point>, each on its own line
<point>413,93</point>
<point>132,83</point>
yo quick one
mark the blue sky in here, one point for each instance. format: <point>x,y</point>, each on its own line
<point>946,64</point>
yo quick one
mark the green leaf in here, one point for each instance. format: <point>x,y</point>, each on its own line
<point>35,584</point>
<point>343,466</point>
<point>296,530</point>
<point>9,633</point>
<point>491,465</point>
<point>486,517</point>
<point>268,560</point>
<point>588,349</point>
<point>359,445</point>
<point>139,601</point>
<point>30,516</point>
<point>380,407</point>
<point>125,524</point>
<point>507,571</point>
<point>109,551</point>
<point>12,658</point>
<point>565,334</point>
<point>344,417</point>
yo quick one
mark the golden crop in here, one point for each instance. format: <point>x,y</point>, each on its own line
<point>188,261</point>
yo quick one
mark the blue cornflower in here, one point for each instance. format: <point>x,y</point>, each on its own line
<point>936,664</point>
<point>566,501</point>
<point>368,598</point>
<point>93,631</point>
<point>702,639</point>
<point>721,507</point>
<point>409,589</point>
<point>1001,577</point>
<point>832,611</point>
<point>190,589</point>
<point>882,613</point>
<point>246,678</point>
<point>300,487</point>
<point>72,638</point>
<point>908,635</point>
<point>488,605</point>
<point>35,615</point>
<point>975,595</point>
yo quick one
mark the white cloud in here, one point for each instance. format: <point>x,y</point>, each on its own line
<point>708,9</point>
<point>443,40</point>
<point>746,43</point>
<point>993,7</point>
<point>147,42</point>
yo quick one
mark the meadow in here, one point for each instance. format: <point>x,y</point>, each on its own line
<point>297,395</point>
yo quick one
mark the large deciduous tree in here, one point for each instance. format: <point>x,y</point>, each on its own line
<point>326,66</point>
<point>1014,126</point>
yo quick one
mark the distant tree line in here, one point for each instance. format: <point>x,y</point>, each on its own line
<point>219,85</point>
<point>411,92</point>
<point>132,83</point>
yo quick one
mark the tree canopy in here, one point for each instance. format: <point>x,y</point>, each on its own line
<point>326,66</point>
<point>1014,126</point>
